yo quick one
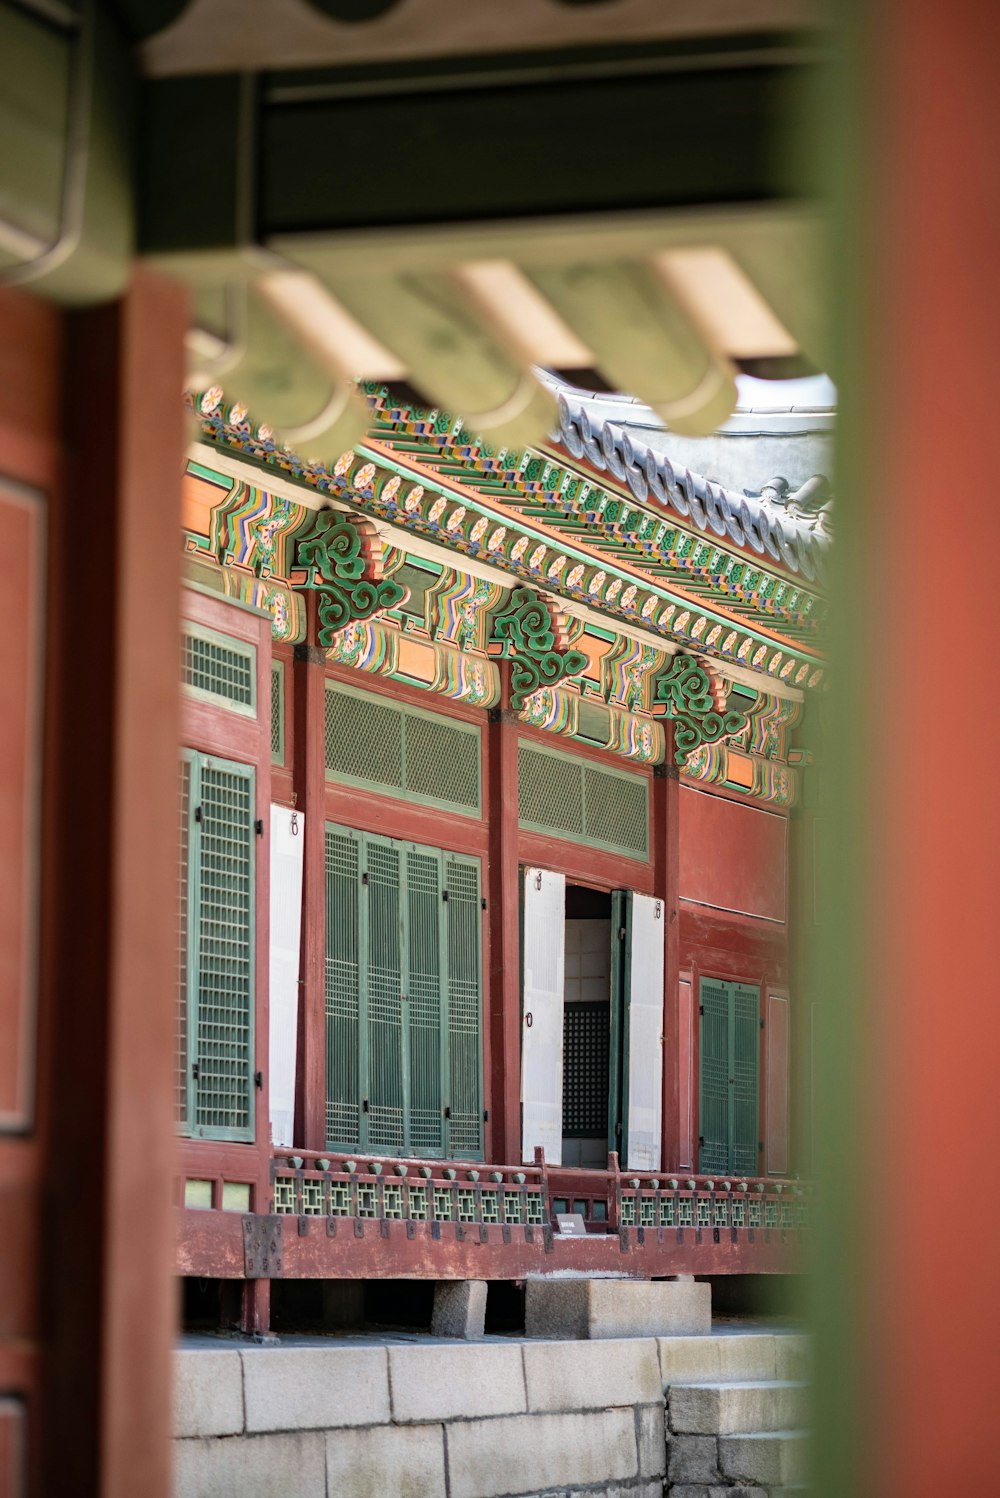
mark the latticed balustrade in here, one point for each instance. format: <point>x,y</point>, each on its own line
<point>404,1190</point>
<point>385,1189</point>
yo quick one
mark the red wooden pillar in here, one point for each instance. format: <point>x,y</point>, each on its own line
<point>504,1144</point>
<point>927,460</point>
<point>30,473</point>
<point>676,1056</point>
<point>109,938</point>
<point>309,696</point>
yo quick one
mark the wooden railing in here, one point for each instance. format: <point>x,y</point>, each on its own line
<point>382,1188</point>
<point>340,1185</point>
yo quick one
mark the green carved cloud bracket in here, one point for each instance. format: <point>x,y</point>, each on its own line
<point>532,634</point>
<point>343,561</point>
<point>685,690</point>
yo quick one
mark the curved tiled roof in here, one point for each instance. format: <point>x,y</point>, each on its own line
<point>618,435</point>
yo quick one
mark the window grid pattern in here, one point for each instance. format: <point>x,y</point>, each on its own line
<point>385,1018</point>
<point>181,1067</point>
<point>713,1115</point>
<point>586,1049</point>
<point>219,668</point>
<point>403,998</point>
<point>342,989</point>
<point>424,1002</point>
<point>729,1078</point>
<point>402,751</point>
<point>277,713</point>
<point>464,929</point>
<point>225,954</point>
<point>571,798</point>
<point>442,761</point>
<point>215,951</point>
<point>746,1062</point>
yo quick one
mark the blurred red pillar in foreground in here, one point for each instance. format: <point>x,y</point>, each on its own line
<point>931,518</point>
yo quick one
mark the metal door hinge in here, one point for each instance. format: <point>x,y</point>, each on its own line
<point>258,826</point>
<point>762,1024</point>
<point>622,932</point>
<point>258,1080</point>
<point>364,1105</point>
<point>447,1111</point>
<point>486,1115</point>
<point>364,878</point>
<point>197,813</point>
<point>701,1009</point>
<point>444,894</point>
<point>483,903</point>
<point>195,1070</point>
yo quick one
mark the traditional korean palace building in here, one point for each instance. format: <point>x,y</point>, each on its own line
<point>497,824</point>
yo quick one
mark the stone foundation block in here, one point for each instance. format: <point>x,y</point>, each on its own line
<point>564,1376</point>
<point>693,1459</point>
<point>459,1308</point>
<point>307,1388</point>
<point>614,1490</point>
<point>252,1466</point>
<point>651,1439</point>
<point>687,1359</point>
<point>407,1462</point>
<point>531,1453</point>
<point>456,1382</point>
<point>699,1490</point>
<point>208,1392</point>
<point>710,1409</point>
<point>792,1358</point>
<point>767,1458</point>
<point>589,1308</point>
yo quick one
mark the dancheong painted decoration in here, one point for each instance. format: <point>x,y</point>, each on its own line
<point>500,764</point>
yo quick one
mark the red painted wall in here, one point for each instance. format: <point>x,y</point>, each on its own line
<point>732,856</point>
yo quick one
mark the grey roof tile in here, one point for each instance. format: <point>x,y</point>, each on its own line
<point>789,521</point>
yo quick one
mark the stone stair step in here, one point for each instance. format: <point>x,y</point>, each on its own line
<point>777,1459</point>
<point>792,1356</point>
<point>718,1408</point>
<point>750,1355</point>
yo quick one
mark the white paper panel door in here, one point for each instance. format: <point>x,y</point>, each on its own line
<point>287,837</point>
<point>645,1033</point>
<point>542,1014</point>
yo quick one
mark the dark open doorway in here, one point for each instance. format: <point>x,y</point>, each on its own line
<point>588,1019</point>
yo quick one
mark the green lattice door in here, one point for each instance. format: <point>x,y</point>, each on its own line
<point>403,998</point>
<point>729,1078</point>
<point>215,1040</point>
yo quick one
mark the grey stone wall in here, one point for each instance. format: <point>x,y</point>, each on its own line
<point>420,1418</point>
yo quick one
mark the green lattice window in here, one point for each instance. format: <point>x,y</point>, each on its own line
<point>402,751</point>
<point>219,669</point>
<point>216,948</point>
<point>729,1087</point>
<point>571,797</point>
<point>403,998</point>
<point>277,713</point>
